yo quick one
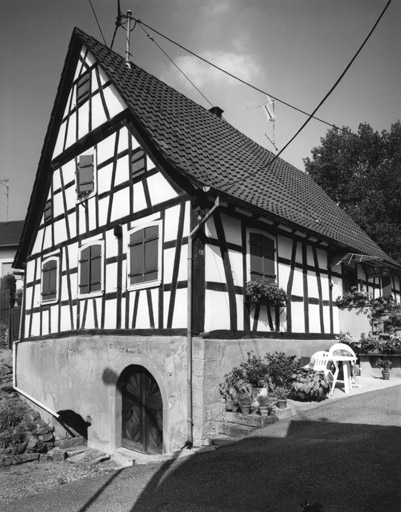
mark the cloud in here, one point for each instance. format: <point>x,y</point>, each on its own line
<point>205,76</point>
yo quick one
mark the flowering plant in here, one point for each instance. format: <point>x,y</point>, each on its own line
<point>353,298</point>
<point>261,290</point>
<point>384,364</point>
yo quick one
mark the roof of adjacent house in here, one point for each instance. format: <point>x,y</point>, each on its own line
<point>10,233</point>
<point>207,150</point>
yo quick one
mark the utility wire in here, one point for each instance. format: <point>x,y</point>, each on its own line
<point>97,21</point>
<point>172,61</point>
<point>310,116</point>
<point>322,101</point>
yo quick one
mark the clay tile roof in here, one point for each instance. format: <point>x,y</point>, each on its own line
<point>10,233</point>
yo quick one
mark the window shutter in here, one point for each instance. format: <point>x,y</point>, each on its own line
<point>84,271</point>
<point>138,163</point>
<point>85,175</point>
<point>95,268</point>
<point>49,280</point>
<point>144,255</point>
<point>47,213</point>
<point>83,88</point>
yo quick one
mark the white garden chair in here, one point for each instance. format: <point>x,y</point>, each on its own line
<point>341,352</point>
<point>320,362</point>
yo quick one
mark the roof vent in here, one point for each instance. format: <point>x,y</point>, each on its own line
<point>217,111</point>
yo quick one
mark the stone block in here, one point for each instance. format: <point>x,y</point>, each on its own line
<point>31,415</point>
<point>233,430</point>
<point>46,437</point>
<point>57,454</point>
<point>41,431</point>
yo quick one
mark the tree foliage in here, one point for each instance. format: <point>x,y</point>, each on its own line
<point>363,176</point>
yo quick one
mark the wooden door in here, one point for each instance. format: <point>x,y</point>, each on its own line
<point>142,411</point>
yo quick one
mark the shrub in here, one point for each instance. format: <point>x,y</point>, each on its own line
<point>13,425</point>
<point>280,369</point>
<point>308,385</point>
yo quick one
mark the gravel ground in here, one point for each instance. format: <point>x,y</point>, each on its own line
<point>24,480</point>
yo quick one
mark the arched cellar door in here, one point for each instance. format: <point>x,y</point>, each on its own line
<point>142,411</point>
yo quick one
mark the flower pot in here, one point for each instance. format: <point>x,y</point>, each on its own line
<point>264,410</point>
<point>281,403</point>
<point>229,405</point>
<point>386,375</point>
<point>245,408</point>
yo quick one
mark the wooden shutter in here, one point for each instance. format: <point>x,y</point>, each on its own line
<point>138,163</point>
<point>85,175</point>
<point>144,255</point>
<point>84,271</point>
<point>49,280</point>
<point>83,88</point>
<point>47,213</point>
<point>95,268</point>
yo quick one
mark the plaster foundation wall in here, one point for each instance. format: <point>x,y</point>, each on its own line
<point>218,357</point>
<point>80,374</point>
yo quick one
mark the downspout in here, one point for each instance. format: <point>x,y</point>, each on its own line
<point>190,439</point>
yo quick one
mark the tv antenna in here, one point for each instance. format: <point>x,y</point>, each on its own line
<point>269,110</point>
<point>119,23</point>
<point>4,183</point>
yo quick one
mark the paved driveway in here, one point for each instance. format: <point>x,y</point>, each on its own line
<point>344,454</point>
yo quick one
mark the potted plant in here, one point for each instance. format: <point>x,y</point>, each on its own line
<point>264,405</point>
<point>268,293</point>
<point>308,385</point>
<point>228,395</point>
<point>245,398</point>
<point>281,395</point>
<point>385,365</point>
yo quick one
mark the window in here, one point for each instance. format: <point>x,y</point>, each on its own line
<point>83,88</point>
<point>262,257</point>
<point>90,269</point>
<point>350,277</point>
<point>85,176</point>
<point>144,256</point>
<point>49,280</point>
<point>48,211</point>
<point>138,163</point>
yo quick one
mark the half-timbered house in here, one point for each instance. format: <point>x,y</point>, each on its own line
<point>148,216</point>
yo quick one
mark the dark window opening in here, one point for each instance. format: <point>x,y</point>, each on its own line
<point>49,280</point>
<point>262,252</point>
<point>90,269</point>
<point>144,255</point>
<point>85,175</point>
<point>138,163</point>
<point>83,88</point>
<point>350,277</point>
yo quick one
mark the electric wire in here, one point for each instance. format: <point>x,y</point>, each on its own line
<point>176,65</point>
<point>321,102</point>
<point>244,82</point>
<point>97,21</point>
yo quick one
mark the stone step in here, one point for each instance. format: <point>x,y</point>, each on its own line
<point>250,420</point>
<point>233,429</point>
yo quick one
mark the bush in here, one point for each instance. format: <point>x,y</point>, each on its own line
<point>13,425</point>
<point>308,385</point>
<point>280,369</point>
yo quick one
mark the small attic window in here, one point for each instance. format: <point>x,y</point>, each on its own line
<point>138,163</point>
<point>85,176</point>
<point>83,88</point>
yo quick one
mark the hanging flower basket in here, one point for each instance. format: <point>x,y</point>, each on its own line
<point>265,293</point>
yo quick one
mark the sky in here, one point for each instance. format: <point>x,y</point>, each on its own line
<point>293,50</point>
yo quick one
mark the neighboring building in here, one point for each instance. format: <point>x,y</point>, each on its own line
<point>129,169</point>
<point>10,233</point>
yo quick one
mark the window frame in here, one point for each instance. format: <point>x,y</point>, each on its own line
<point>47,260</point>
<point>94,293</point>
<point>248,255</point>
<point>48,211</point>
<point>83,196</point>
<point>154,282</point>
<point>139,173</point>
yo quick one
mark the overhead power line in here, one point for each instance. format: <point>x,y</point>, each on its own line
<point>310,116</point>
<point>176,65</point>
<point>97,21</point>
